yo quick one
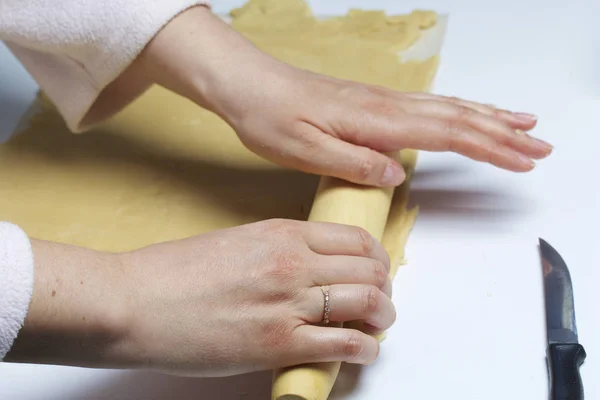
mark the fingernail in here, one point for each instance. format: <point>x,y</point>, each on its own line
<point>524,117</point>
<point>526,160</point>
<point>547,148</point>
<point>541,144</point>
<point>393,176</point>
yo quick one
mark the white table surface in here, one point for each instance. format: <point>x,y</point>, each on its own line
<point>470,305</point>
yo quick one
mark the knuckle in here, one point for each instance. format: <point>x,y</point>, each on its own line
<point>380,272</point>
<point>286,265</point>
<point>352,345</point>
<point>365,240</point>
<point>370,299</point>
<point>364,169</point>
<point>376,89</point>
<point>308,140</point>
<point>374,100</point>
<point>488,156</point>
<point>452,128</point>
<point>463,113</point>
<point>278,283</point>
<point>384,106</point>
<point>282,227</point>
<point>273,223</point>
<point>352,90</point>
<point>387,261</point>
<point>276,334</point>
<point>394,316</point>
<point>484,152</point>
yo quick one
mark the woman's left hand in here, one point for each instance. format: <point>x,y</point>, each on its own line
<point>323,125</point>
<point>328,126</point>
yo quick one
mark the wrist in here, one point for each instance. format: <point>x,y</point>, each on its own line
<point>199,56</point>
<point>79,311</point>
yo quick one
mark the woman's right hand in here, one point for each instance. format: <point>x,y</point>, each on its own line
<point>249,298</point>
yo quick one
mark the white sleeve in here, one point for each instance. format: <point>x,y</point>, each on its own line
<point>16,283</point>
<point>75,48</point>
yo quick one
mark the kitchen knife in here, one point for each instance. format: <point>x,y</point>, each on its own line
<point>564,353</point>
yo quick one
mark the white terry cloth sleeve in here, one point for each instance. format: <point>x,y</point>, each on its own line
<point>16,283</point>
<point>75,48</point>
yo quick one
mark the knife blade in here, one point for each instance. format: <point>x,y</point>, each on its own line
<point>564,352</point>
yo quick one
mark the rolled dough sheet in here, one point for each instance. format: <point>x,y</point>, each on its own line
<point>164,169</point>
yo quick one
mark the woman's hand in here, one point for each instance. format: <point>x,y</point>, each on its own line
<point>232,301</point>
<point>332,127</point>
<point>247,298</point>
<point>324,125</point>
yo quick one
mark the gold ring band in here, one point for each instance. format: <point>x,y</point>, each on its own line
<point>326,309</point>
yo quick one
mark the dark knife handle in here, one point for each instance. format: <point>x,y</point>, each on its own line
<point>564,362</point>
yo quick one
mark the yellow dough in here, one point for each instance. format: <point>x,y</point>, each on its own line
<point>164,169</point>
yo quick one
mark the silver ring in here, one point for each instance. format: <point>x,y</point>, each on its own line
<point>326,309</point>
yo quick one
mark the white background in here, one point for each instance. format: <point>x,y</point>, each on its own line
<point>470,303</point>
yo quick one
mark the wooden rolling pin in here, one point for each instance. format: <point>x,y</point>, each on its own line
<point>340,202</point>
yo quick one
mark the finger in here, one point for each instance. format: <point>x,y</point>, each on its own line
<point>331,270</point>
<point>517,120</point>
<point>325,344</point>
<point>481,148</point>
<point>322,154</point>
<point>329,238</point>
<point>351,303</point>
<point>389,132</point>
<point>492,127</point>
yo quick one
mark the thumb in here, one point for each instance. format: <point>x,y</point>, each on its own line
<point>335,157</point>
